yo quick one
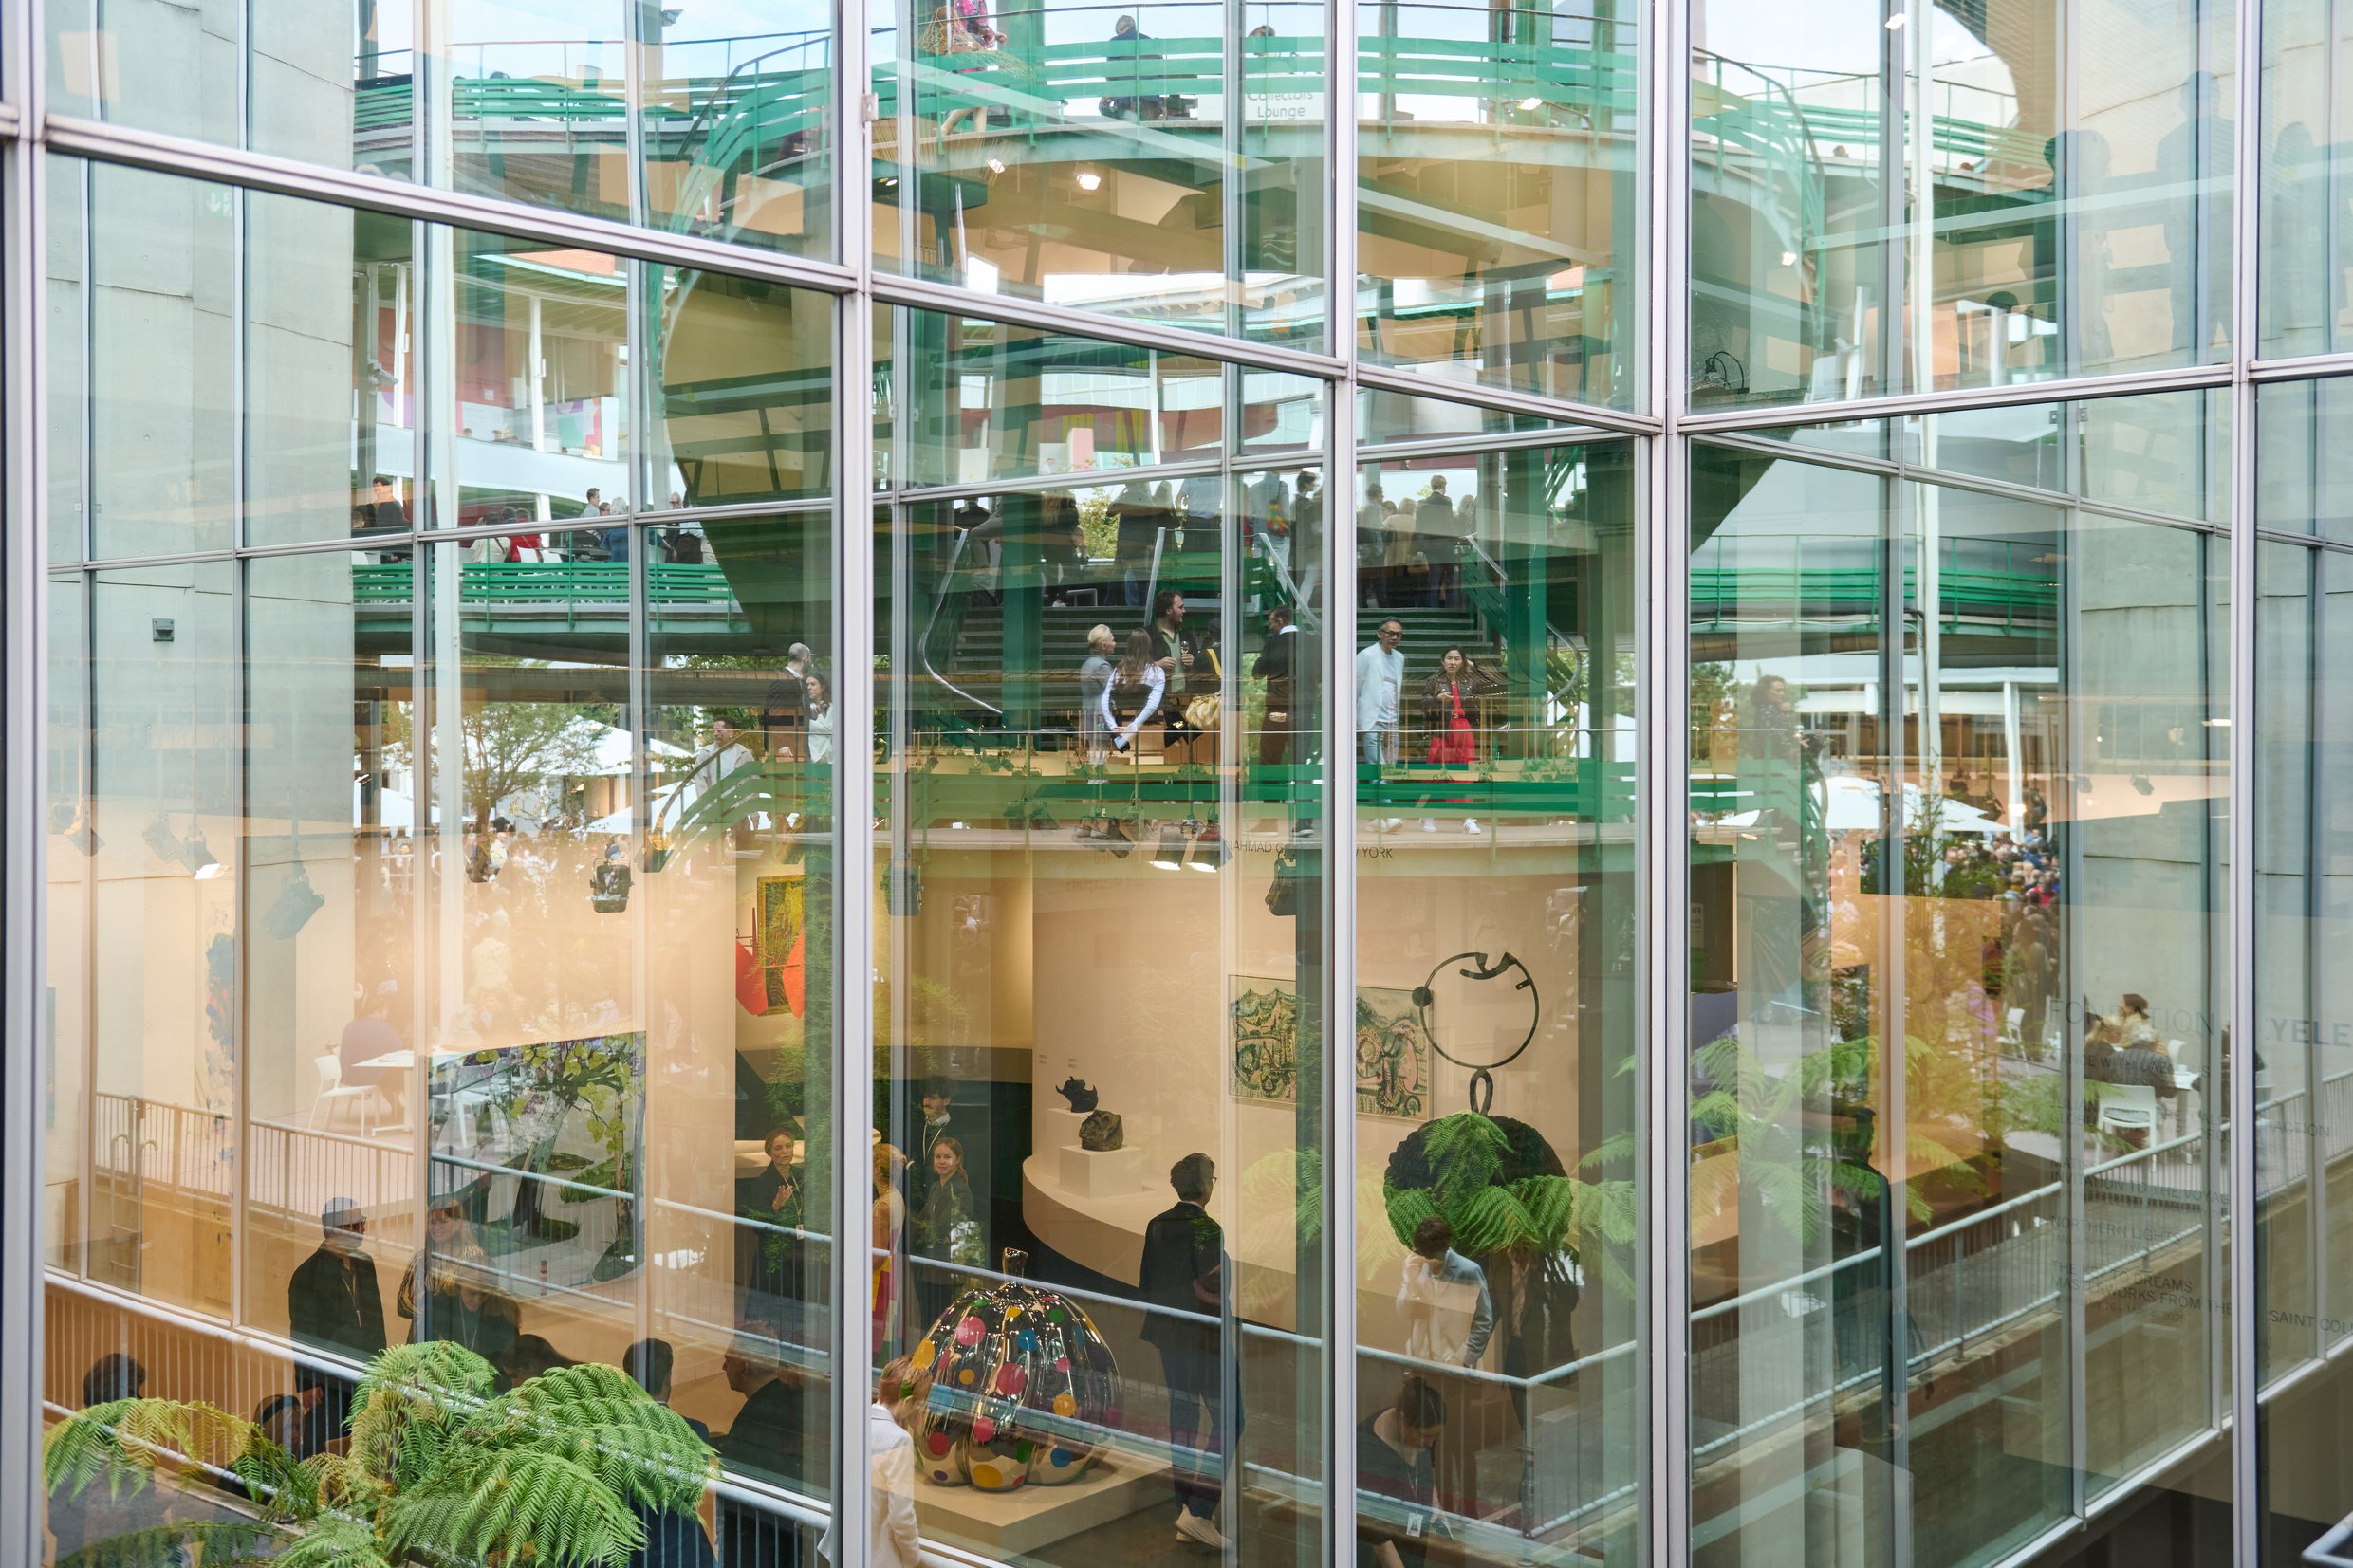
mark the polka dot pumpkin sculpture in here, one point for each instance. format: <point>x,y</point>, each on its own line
<point>1022,1390</point>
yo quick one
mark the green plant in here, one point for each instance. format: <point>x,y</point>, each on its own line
<point>1502,1189</point>
<point>442,1470</point>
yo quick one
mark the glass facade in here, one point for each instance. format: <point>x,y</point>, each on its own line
<point>1003,783</point>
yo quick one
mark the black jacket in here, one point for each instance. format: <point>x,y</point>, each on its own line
<point>334,1307</point>
<point>673,1541</point>
<point>1182,1245</point>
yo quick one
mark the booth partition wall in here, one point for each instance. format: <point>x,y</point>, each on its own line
<point>1443,781</point>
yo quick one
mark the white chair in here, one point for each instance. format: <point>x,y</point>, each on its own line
<point>334,1092</point>
<point>2129,1108</point>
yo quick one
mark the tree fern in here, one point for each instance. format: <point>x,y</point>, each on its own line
<point>442,1470</point>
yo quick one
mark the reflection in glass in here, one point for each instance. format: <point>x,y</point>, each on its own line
<point>2302,302</point>
<point>1079,153</point>
<point>1098,1038</point>
<point>2059,202</point>
<point>160,475</point>
<point>528,100</point>
<point>973,401</point>
<point>1496,1243</point>
<point>1495,193</point>
<point>1991,837</point>
<point>146,863</point>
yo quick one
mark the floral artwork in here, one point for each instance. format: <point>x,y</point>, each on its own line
<point>1392,1052</point>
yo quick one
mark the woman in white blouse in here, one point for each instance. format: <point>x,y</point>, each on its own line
<point>900,1397</point>
<point>820,720</point>
<point>1136,684</point>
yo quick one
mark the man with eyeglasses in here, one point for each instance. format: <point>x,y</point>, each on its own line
<point>1380,689</point>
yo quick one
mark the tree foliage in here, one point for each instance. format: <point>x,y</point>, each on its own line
<point>441,1469</point>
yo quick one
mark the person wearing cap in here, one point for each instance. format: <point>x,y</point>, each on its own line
<point>332,1303</point>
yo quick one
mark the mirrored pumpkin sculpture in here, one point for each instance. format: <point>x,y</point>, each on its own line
<point>1022,1388</point>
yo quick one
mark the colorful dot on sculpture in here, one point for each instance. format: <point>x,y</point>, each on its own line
<point>1011,1313</point>
<point>969,1332</point>
<point>1060,1458</point>
<point>1053,1315</point>
<point>1062,1363</point>
<point>1023,1449</point>
<point>984,1430</point>
<point>924,1354</point>
<point>1065,1405</point>
<point>1010,1380</point>
<point>965,1377</point>
<point>938,1442</point>
<point>986,1478</point>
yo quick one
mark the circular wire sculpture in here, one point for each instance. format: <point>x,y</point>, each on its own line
<point>1480,968</point>
<point>1023,1385</point>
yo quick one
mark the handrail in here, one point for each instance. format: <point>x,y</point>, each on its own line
<point>939,602</point>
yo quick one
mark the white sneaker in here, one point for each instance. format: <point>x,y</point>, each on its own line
<point>1200,1528</point>
<point>1471,824</point>
<point>1429,824</point>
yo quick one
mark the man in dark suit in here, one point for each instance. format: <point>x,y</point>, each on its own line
<point>333,1304</point>
<point>1275,665</point>
<point>672,1539</point>
<point>1182,1284</point>
<point>774,1437</point>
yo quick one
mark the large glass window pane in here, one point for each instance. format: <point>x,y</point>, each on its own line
<point>710,119</point>
<point>2301,1052</point>
<point>1903,197</point>
<point>329,386</point>
<point>332,977</point>
<point>1956,773</point>
<point>1496,1059</point>
<point>145,931</point>
<point>159,338</point>
<point>973,401</point>
<point>2308,46</point>
<point>534,385</point>
<point>737,118</point>
<point>1097,1233</point>
<point>733,868</point>
<point>1495,189</point>
<point>2305,480</point>
<point>1160,161</point>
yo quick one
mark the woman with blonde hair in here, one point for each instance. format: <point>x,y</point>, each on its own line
<point>890,1221</point>
<point>1094,681</point>
<point>900,1395</point>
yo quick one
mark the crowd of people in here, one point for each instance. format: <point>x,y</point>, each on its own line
<point>598,531</point>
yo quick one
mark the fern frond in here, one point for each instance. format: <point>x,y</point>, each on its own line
<point>1549,1204</point>
<point>334,1542</point>
<point>1465,1151</point>
<point>124,1440</point>
<point>1407,1208</point>
<point>435,1382</point>
<point>1489,1220</point>
<point>514,1505</point>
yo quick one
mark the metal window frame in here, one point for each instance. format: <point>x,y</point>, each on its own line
<point>1661,420</point>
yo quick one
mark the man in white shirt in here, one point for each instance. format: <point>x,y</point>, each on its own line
<point>1380,692</point>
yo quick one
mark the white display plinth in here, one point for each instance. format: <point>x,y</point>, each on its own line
<point>1029,1519</point>
<point>1108,1173</point>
